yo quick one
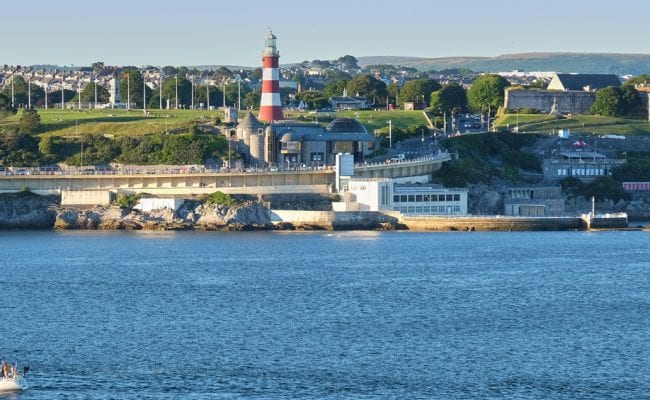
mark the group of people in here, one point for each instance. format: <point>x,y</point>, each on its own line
<point>8,371</point>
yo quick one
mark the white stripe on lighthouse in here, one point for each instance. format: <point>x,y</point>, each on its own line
<point>271,74</point>
<point>271,99</point>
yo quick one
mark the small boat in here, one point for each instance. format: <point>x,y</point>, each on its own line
<point>12,384</point>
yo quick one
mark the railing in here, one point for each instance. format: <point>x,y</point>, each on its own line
<point>139,170</point>
<point>440,157</point>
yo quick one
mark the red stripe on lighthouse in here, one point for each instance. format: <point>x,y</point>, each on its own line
<point>271,103</point>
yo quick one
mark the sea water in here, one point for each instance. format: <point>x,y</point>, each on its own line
<point>354,315</point>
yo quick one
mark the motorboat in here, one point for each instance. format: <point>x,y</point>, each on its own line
<point>13,384</point>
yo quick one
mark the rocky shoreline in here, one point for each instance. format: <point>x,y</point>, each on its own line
<point>30,211</point>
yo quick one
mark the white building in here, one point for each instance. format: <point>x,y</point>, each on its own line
<point>384,194</point>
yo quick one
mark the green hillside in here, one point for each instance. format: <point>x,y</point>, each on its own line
<point>545,124</point>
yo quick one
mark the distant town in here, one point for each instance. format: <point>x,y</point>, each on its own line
<point>378,138</point>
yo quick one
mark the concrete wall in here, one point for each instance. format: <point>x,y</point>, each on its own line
<point>331,219</point>
<point>86,197</point>
<point>150,204</point>
<point>567,102</point>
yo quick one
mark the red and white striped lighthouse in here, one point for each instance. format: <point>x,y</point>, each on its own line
<point>271,104</point>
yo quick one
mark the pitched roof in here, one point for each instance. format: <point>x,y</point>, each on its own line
<point>593,81</point>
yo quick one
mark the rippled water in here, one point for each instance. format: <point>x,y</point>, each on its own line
<point>328,315</point>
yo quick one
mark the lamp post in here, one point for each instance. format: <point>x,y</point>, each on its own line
<point>128,91</point>
<point>444,121</point>
<point>160,87</point>
<point>517,129</point>
<point>79,89</point>
<point>390,133</point>
<point>207,94</point>
<point>95,82</point>
<point>144,95</point>
<point>192,83</point>
<point>62,92</point>
<point>13,93</point>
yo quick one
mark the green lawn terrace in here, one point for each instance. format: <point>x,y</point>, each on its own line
<point>379,119</point>
<point>579,124</point>
<point>117,122</point>
<point>120,122</point>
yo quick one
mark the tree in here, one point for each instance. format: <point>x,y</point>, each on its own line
<point>22,91</point>
<point>451,98</point>
<point>641,80</point>
<point>252,99</point>
<point>132,84</point>
<point>632,102</point>
<point>97,67</point>
<point>182,72</point>
<point>184,92</point>
<point>5,106</point>
<point>487,92</point>
<point>609,102</point>
<point>617,102</point>
<point>335,88</point>
<point>393,92</point>
<point>419,90</point>
<point>88,93</point>
<point>255,75</point>
<point>348,62</point>
<point>30,121</point>
<point>46,145</point>
<point>201,93</point>
<point>313,99</point>
<point>169,70</point>
<point>368,86</point>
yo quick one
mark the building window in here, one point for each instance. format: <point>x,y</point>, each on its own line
<point>418,198</point>
<point>411,198</point>
<point>457,197</point>
<point>403,198</point>
<point>450,197</point>
<point>427,198</point>
<point>396,198</point>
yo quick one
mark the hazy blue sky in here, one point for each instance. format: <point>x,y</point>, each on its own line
<point>120,32</point>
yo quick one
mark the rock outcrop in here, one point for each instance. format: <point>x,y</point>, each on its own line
<point>26,210</point>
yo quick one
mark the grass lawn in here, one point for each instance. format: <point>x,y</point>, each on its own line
<point>57,122</point>
<point>539,123</point>
<point>379,119</point>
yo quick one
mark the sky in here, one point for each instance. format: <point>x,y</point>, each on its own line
<point>232,32</point>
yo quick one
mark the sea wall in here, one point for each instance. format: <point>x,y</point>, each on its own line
<point>86,197</point>
<point>30,211</point>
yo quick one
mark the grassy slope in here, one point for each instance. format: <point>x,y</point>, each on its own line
<point>114,122</point>
<point>540,123</point>
<point>400,119</point>
<point>121,122</point>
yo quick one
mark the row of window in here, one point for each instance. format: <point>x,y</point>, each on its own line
<point>581,171</point>
<point>424,198</point>
<point>428,209</point>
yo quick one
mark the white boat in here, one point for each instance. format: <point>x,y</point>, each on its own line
<point>12,384</point>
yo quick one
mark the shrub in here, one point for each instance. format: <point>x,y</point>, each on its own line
<point>220,198</point>
<point>127,201</point>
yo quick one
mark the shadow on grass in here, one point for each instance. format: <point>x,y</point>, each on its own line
<point>63,124</point>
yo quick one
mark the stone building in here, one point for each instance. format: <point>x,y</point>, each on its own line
<point>534,202</point>
<point>584,165</point>
<point>289,144</point>
<point>565,94</point>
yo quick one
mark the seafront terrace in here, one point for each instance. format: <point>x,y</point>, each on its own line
<point>192,179</point>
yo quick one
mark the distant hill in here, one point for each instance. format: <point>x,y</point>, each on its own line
<point>593,63</point>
